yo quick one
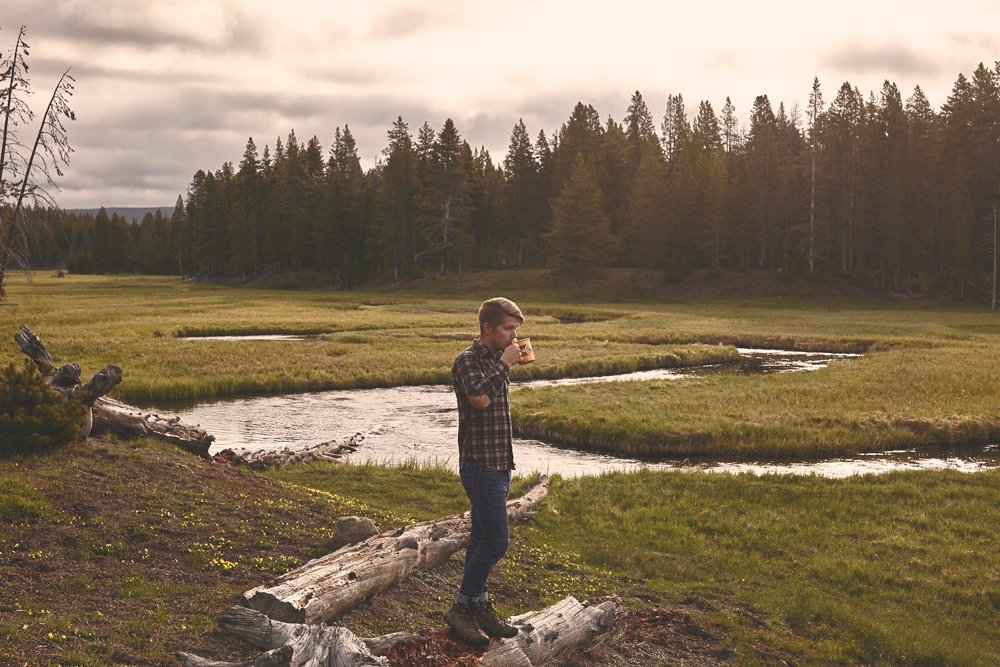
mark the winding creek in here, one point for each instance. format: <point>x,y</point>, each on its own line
<point>421,423</point>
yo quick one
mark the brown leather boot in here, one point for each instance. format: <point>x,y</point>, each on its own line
<point>461,618</point>
<point>491,624</point>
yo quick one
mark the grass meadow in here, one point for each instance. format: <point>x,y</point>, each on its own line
<point>121,553</point>
<point>930,377</point>
<point>149,327</point>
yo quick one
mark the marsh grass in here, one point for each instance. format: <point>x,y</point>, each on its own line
<point>901,398</point>
<point>889,569</point>
<point>930,377</point>
<point>362,339</point>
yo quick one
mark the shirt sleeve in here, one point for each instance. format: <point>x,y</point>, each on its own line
<point>475,382</point>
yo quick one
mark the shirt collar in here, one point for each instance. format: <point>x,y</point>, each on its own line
<point>484,351</point>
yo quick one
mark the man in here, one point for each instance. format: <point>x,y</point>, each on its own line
<point>481,376</point>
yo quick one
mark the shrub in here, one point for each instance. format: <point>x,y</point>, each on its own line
<point>33,418</point>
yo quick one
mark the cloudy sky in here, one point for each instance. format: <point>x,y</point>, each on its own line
<point>167,87</point>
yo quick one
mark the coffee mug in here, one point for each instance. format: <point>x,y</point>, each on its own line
<point>524,346</point>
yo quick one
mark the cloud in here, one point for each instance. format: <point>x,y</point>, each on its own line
<point>887,59</point>
<point>401,23</point>
<point>135,27</point>
<point>86,72</point>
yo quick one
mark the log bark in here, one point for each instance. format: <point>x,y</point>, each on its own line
<point>106,414</point>
<point>311,645</point>
<point>542,636</point>
<point>546,633</point>
<point>325,588</point>
<point>128,421</point>
<point>262,458</point>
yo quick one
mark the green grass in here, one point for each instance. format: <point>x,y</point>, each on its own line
<point>19,500</point>
<point>891,569</point>
<point>931,376</point>
<point>149,325</point>
<point>912,396</point>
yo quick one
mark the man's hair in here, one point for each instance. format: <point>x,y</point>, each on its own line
<point>495,310</point>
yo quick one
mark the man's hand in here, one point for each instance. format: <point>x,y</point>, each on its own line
<point>511,356</point>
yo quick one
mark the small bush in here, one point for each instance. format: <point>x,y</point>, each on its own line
<point>33,418</point>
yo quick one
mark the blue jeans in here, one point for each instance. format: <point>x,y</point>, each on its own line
<point>487,490</point>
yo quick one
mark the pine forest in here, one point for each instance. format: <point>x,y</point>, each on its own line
<point>881,189</point>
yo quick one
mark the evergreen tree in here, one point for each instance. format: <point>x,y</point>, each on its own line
<point>647,235</point>
<point>814,113</point>
<point>614,176</point>
<point>843,128</point>
<point>957,209</point>
<point>579,136</point>
<point>447,194</point>
<point>924,158</point>
<point>762,162</point>
<point>396,203</point>
<point>711,174</point>
<point>640,132</point>
<point>243,224</point>
<point>521,218</point>
<point>675,129</point>
<point>580,243</point>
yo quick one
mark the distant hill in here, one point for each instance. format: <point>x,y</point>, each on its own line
<point>126,212</point>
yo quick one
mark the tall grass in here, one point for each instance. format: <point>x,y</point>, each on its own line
<point>146,326</point>
<point>902,398</point>
<point>928,379</point>
<point>881,569</point>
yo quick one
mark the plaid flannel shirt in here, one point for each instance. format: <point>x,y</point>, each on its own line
<point>484,436</point>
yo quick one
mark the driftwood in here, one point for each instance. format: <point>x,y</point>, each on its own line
<point>106,414</point>
<point>131,422</point>
<point>543,635</point>
<point>327,587</point>
<point>263,458</point>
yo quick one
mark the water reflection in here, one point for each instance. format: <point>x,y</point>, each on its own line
<point>404,423</point>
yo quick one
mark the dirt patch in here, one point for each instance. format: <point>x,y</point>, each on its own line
<point>435,648</point>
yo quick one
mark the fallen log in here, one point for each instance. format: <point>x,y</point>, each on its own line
<point>263,458</point>
<point>128,421</point>
<point>325,588</point>
<point>542,635</point>
<point>106,414</point>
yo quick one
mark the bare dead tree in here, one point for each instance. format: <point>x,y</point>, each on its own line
<point>50,150</point>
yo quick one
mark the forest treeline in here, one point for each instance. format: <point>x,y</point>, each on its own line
<point>878,188</point>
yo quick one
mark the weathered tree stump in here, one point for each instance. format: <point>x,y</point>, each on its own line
<point>106,414</point>
<point>263,458</point>
<point>325,588</point>
<point>543,635</point>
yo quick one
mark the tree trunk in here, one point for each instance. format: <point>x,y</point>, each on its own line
<point>325,588</point>
<point>542,636</point>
